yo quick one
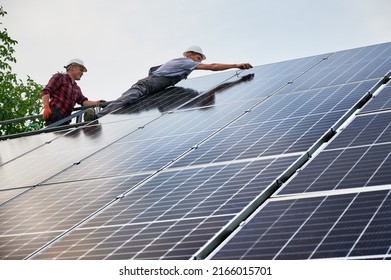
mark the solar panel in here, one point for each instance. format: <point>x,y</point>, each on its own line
<point>9,194</point>
<point>347,67</point>
<point>331,226</point>
<point>175,197</point>
<point>364,130</point>
<point>14,148</point>
<point>43,213</point>
<point>382,101</point>
<point>61,153</point>
<point>171,176</point>
<point>358,157</point>
<point>279,125</point>
<point>154,146</point>
<point>156,104</point>
<point>336,206</point>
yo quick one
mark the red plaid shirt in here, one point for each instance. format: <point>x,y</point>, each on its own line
<point>63,94</point>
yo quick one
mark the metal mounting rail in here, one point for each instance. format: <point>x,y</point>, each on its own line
<point>59,125</point>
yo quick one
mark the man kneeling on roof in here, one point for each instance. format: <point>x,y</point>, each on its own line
<point>164,76</point>
<point>62,93</point>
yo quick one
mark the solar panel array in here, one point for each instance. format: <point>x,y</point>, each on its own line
<point>275,162</point>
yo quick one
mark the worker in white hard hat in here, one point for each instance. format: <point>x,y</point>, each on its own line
<point>62,93</point>
<point>163,76</point>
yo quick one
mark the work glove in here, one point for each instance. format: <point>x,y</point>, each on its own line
<point>100,102</point>
<point>46,112</point>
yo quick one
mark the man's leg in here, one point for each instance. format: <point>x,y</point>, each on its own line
<point>143,87</point>
<point>127,97</point>
<point>55,117</point>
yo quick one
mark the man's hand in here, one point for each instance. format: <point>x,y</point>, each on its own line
<point>46,112</point>
<point>244,66</point>
<point>99,102</point>
<point>221,66</point>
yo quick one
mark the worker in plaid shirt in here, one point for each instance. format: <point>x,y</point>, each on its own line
<point>62,93</point>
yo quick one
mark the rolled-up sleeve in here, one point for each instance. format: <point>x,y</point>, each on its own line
<point>53,83</point>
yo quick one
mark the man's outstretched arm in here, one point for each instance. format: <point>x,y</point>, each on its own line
<point>220,66</point>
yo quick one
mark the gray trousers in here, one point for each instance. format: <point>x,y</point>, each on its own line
<point>149,85</point>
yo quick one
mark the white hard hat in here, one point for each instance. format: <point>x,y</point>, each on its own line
<point>76,61</point>
<point>195,49</point>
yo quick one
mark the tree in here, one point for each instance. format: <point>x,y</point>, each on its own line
<point>17,99</point>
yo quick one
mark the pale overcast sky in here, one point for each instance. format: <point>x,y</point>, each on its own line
<point>120,39</point>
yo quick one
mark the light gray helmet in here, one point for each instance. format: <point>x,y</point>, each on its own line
<point>76,61</point>
<point>195,49</point>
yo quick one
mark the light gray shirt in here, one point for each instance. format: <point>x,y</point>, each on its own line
<point>177,67</point>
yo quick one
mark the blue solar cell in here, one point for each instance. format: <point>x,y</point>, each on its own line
<point>311,228</point>
<point>364,130</point>
<point>181,197</point>
<point>49,211</point>
<point>356,221</point>
<point>346,67</point>
<point>154,146</point>
<point>380,102</point>
<point>376,239</point>
<point>295,124</point>
<point>358,157</point>
<point>157,240</point>
<point>14,148</point>
<point>63,152</point>
<point>342,169</point>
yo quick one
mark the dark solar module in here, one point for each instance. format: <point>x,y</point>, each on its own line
<point>338,226</point>
<point>189,197</point>
<point>382,101</point>
<point>14,148</point>
<point>364,130</point>
<point>341,169</point>
<point>9,194</point>
<point>275,126</point>
<point>61,153</point>
<point>49,211</point>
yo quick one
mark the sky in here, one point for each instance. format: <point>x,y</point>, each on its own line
<point>119,40</point>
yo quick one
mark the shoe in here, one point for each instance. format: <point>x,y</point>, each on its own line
<point>89,115</point>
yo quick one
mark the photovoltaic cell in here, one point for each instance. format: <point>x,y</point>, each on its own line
<point>176,97</point>
<point>358,157</point>
<point>14,148</point>
<point>62,153</point>
<point>9,194</point>
<point>364,130</point>
<point>49,211</point>
<point>351,223</point>
<point>175,240</point>
<point>338,226</point>
<point>342,169</point>
<point>19,246</point>
<point>267,80</point>
<point>382,101</point>
<point>347,67</point>
<point>156,145</point>
<point>178,197</point>
<point>276,126</point>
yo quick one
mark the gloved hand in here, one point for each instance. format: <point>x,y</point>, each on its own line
<point>46,112</point>
<point>100,102</point>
